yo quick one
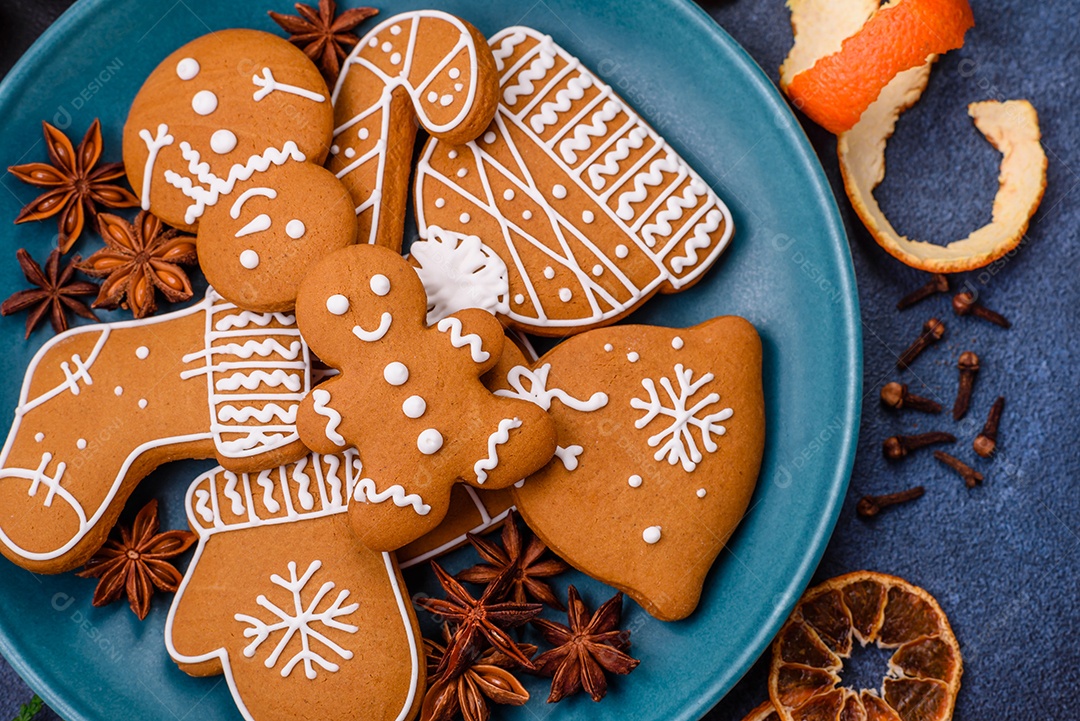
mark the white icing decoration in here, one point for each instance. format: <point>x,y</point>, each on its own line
<point>295,229</point>
<point>257,224</point>
<point>676,208</point>
<point>249,259</point>
<point>266,414</point>
<point>588,216</point>
<point>549,272</point>
<point>142,352</point>
<point>633,141</point>
<point>39,436</point>
<point>608,347</point>
<point>301,619</point>
<point>677,343</point>
<point>569,456</point>
<point>651,535</point>
<point>634,481</point>
<point>414,407</point>
<point>519,298</point>
<point>187,68</point>
<point>440,202</point>
<point>119,390</point>
<point>204,102</point>
<point>223,141</point>
<point>585,133</point>
<point>394,493</point>
<point>702,239</point>
<point>238,204</point>
<point>321,398</point>
<point>541,395</point>
<point>621,251</point>
<point>544,61</point>
<point>251,380</point>
<point>380,284</point>
<point>80,444</point>
<point>395,59</point>
<point>396,373</point>
<point>564,99</point>
<point>527,214</point>
<point>459,272</point>
<point>463,172</point>
<point>496,439</point>
<point>460,340</point>
<point>395,30</point>
<point>154,144</point>
<point>508,194</point>
<point>142,403</point>
<point>363,133</point>
<point>701,492</point>
<point>371,336</point>
<point>429,441</point>
<point>454,73</point>
<point>267,84</point>
<point>350,153</point>
<point>565,294</point>
<point>230,492</point>
<point>681,447</point>
<point>464,218</point>
<point>446,100</point>
<point>490,137</point>
<point>598,270</point>
<point>337,304</point>
<point>633,357</point>
<point>559,191</point>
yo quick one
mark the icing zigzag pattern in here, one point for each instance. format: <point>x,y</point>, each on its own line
<point>702,239</point>
<point>642,183</point>
<point>584,134</point>
<point>676,207</point>
<point>545,60</point>
<point>564,99</point>
<point>610,166</point>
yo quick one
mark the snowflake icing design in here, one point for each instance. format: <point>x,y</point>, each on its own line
<point>300,620</point>
<point>681,447</point>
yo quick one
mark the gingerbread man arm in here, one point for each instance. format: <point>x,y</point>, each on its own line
<point>478,336</point>
<point>318,421</point>
<point>519,443</point>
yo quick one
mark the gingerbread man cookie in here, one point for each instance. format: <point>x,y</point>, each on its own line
<point>227,136</point>
<point>282,599</point>
<point>590,209</point>
<point>408,397</point>
<point>103,405</point>
<point>660,429</point>
<point>424,67</point>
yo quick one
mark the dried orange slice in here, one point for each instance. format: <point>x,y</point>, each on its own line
<point>764,712</point>
<point>809,652</point>
<point>838,86</point>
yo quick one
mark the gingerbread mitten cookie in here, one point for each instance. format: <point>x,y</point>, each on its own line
<point>423,67</point>
<point>103,405</point>
<point>280,597</point>
<point>590,209</point>
<point>663,430</point>
<point>408,396</point>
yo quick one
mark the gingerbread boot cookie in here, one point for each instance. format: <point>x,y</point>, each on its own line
<point>282,599</point>
<point>408,395</point>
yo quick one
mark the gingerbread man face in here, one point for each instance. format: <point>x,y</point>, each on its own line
<point>408,396</point>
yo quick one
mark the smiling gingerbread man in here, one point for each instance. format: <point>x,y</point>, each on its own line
<point>408,396</point>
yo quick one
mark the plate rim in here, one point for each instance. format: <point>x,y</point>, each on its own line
<point>684,11</point>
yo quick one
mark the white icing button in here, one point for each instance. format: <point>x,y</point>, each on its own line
<point>632,357</point>
<point>204,102</point>
<point>463,172</point>
<point>430,441</point>
<point>454,73</point>
<point>452,154</point>
<point>651,535</point>
<point>549,272</point>
<point>387,47</point>
<point>295,229</point>
<point>433,97</point>
<point>677,343</point>
<point>414,406</point>
<point>464,218</point>
<point>527,215</point>
<point>565,295</point>
<point>634,481</point>
<point>363,133</point>
<point>350,153</point>
<point>446,100</point>
<point>187,68</point>
<point>249,259</point>
<point>142,403</point>
<point>608,347</point>
<point>519,299</point>
<point>701,492</point>
<point>559,191</point>
<point>621,251</point>
<point>440,202</point>
<point>335,149</point>
<point>380,284</point>
<point>588,216</point>
<point>119,390</point>
<point>337,304</point>
<point>396,374</point>
<point>142,352</point>
<point>223,141</point>
<point>508,194</point>
<point>80,444</point>
<point>395,58</point>
<point>598,270</point>
<point>39,437</point>
<point>489,137</point>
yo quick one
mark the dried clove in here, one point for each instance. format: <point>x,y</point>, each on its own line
<point>971,477</point>
<point>933,330</point>
<point>870,506</point>
<point>896,396</point>
<point>965,304</point>
<point>986,442</point>
<point>969,368</point>
<point>938,284</point>
<point>896,447</point>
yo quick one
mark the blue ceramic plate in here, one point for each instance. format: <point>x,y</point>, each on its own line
<point>788,271</point>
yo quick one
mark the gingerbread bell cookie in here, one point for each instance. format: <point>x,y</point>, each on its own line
<point>104,405</point>
<point>590,209</point>
<point>281,598</point>
<point>408,396</point>
<point>424,67</point>
<point>661,433</point>
<point>228,136</point>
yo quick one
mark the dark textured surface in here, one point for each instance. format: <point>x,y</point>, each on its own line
<point>1002,559</point>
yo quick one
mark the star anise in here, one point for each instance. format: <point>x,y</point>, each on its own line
<point>486,678</point>
<point>76,188</point>
<point>138,258</point>
<point>55,292</point>
<point>585,649</point>
<point>323,35</point>
<point>134,561</point>
<point>527,568</point>
<point>477,620</point>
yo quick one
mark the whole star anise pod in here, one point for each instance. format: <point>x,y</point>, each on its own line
<point>477,620</point>
<point>486,678</point>
<point>585,649</point>
<point>75,186</point>
<point>55,292</point>
<point>137,258</point>
<point>323,35</point>
<point>527,568</point>
<point>134,561</point>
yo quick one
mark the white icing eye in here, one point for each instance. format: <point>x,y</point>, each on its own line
<point>380,284</point>
<point>204,102</point>
<point>223,141</point>
<point>414,407</point>
<point>187,68</point>
<point>249,259</point>
<point>396,374</point>
<point>430,441</point>
<point>651,535</point>
<point>337,304</point>
<point>295,229</point>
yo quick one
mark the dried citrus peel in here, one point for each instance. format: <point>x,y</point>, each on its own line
<point>839,85</point>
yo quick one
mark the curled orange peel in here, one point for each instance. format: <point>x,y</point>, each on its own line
<point>839,85</point>
<point>1012,127</point>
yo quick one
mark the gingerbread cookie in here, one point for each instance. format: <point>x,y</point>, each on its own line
<point>661,433</point>
<point>424,67</point>
<point>408,396</point>
<point>471,511</point>
<point>591,211</point>
<point>227,136</point>
<point>281,598</point>
<point>103,405</point>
